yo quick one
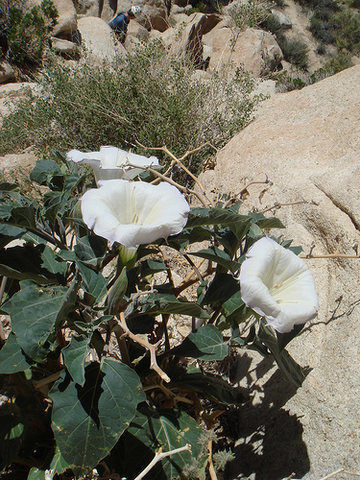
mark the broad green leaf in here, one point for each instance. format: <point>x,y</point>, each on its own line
<point>12,359</point>
<point>288,366</point>
<point>44,172</point>
<point>206,343</point>
<point>88,420</point>
<point>189,236</point>
<point>255,231</point>
<point>218,256</point>
<point>149,267</point>
<point>59,202</point>
<point>221,288</point>
<point>33,315</point>
<point>214,216</point>
<point>90,249</point>
<point>212,386</point>
<point>26,263</point>
<point>168,430</point>
<point>267,223</point>
<point>9,233</point>
<point>166,303</point>
<point>51,262</point>
<point>74,355</point>
<point>233,303</point>
<point>116,294</point>
<point>93,282</point>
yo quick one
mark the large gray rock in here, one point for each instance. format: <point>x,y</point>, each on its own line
<point>255,49</point>
<point>98,40</point>
<point>11,93</point>
<point>154,15</point>
<point>186,37</point>
<point>7,73</point>
<point>307,144</point>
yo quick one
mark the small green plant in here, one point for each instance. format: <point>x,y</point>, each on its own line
<point>28,31</point>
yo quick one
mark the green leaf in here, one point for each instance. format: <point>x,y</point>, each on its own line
<point>214,216</point>
<point>93,282</point>
<point>74,355</point>
<point>206,343</point>
<point>116,294</point>
<point>168,430</point>
<point>149,267</point>
<point>33,316</point>
<point>51,262</point>
<point>26,263</point>
<point>221,288</point>
<point>188,236</point>
<point>266,223</point>
<point>166,303</point>
<point>44,172</point>
<point>88,420</point>
<point>218,256</point>
<point>9,233</point>
<point>213,386</point>
<point>288,366</point>
<point>90,249</point>
<point>12,359</point>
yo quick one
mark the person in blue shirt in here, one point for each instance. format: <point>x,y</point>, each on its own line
<point>121,21</point>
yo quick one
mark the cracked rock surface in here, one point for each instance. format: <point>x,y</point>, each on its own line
<point>307,143</point>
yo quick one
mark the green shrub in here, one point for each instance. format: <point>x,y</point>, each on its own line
<point>251,14</point>
<point>27,31</point>
<point>272,24</point>
<point>294,51</point>
<point>322,30</point>
<point>334,65</point>
<point>347,25</point>
<point>149,98</point>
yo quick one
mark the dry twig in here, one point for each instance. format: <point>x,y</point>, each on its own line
<point>144,343</point>
<point>160,455</point>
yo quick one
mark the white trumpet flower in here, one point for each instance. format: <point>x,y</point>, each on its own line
<point>278,285</point>
<point>111,163</point>
<point>134,213</point>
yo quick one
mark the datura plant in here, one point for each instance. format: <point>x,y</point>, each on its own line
<point>96,280</point>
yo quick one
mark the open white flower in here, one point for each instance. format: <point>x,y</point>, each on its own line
<point>278,285</point>
<point>134,213</point>
<point>111,162</point>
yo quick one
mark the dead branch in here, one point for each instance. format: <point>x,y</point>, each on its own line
<point>159,455</point>
<point>147,345</point>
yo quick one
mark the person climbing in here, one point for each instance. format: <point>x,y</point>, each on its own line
<point>121,21</point>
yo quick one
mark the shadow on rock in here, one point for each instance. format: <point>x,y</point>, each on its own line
<point>267,440</point>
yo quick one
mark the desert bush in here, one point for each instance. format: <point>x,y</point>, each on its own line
<point>27,32</point>
<point>148,98</point>
<point>294,51</point>
<point>347,28</point>
<point>251,14</point>
<point>272,24</point>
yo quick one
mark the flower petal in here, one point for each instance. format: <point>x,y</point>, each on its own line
<point>113,163</point>
<point>278,285</point>
<point>134,213</point>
